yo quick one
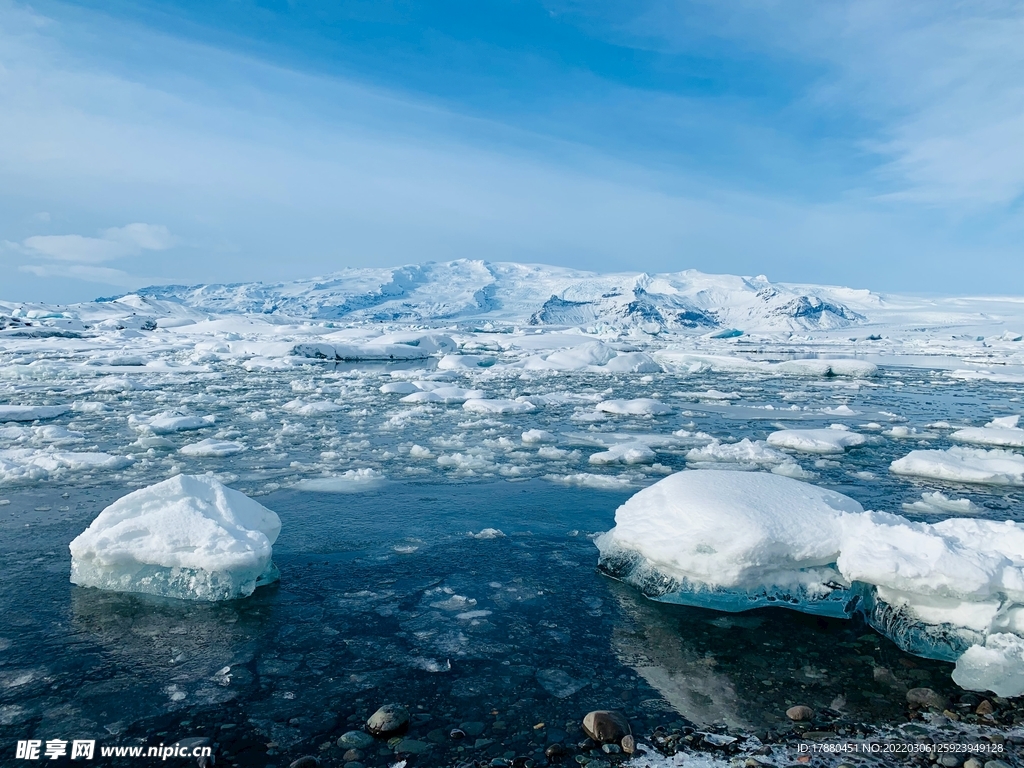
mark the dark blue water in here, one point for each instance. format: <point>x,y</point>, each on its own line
<point>385,597</point>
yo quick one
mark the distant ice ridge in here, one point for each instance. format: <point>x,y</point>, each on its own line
<point>189,537</point>
<point>532,294</point>
<point>734,541</point>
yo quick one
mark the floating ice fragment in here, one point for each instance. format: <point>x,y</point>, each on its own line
<point>488,533</point>
<point>212,448</point>
<point>963,465</point>
<point>938,503</point>
<point>590,480</point>
<point>825,441</point>
<point>1002,432</point>
<point>189,537</point>
<point>498,406</point>
<point>641,406</point>
<point>31,412</point>
<point>625,453</point>
<point>752,453</point>
<point>351,481</point>
<point>538,436</point>
<point>996,666</point>
<point>169,422</point>
<point>303,408</point>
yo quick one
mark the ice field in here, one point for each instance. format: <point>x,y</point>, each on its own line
<point>435,459</point>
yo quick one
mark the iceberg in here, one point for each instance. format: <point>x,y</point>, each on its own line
<point>189,537</point>
<point>732,541</point>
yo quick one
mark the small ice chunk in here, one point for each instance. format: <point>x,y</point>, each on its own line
<point>935,502</point>
<point>352,481</point>
<point>996,666</point>
<point>538,436</point>
<point>443,395</point>
<point>963,465</point>
<point>188,537</point>
<point>754,453</point>
<point>488,533</point>
<point>212,448</point>
<point>399,388</point>
<point>169,422</point>
<point>31,412</point>
<point>314,408</point>
<point>420,452</point>
<point>826,441</point>
<point>480,405</point>
<point>641,406</point>
<point>590,480</point>
<point>624,453</point>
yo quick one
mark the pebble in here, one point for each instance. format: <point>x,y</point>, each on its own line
<point>611,749</point>
<point>472,728</point>
<point>948,761</point>
<point>800,712</point>
<point>605,726</point>
<point>412,747</point>
<point>555,750</point>
<point>926,697</point>
<point>972,762</point>
<point>353,755</point>
<point>391,718</point>
<point>628,744</point>
<point>354,764</point>
<point>355,740</point>
<point>985,708</point>
<point>996,764</point>
<point>306,761</point>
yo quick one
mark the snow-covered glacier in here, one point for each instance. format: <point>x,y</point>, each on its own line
<point>188,537</point>
<point>734,541</point>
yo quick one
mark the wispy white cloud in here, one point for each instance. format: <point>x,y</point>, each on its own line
<point>113,243</point>
<point>90,274</point>
<point>935,87</point>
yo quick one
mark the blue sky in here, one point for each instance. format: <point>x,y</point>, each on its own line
<point>873,144</point>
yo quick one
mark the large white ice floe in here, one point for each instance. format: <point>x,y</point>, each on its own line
<point>963,465</point>
<point>31,412</point>
<point>1002,432</point>
<point>835,439</point>
<point>735,541</point>
<point>188,537</point>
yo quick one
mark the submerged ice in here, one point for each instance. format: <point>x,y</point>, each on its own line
<point>735,541</point>
<point>188,537</point>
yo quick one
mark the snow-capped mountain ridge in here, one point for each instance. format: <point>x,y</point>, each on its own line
<point>471,290</point>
